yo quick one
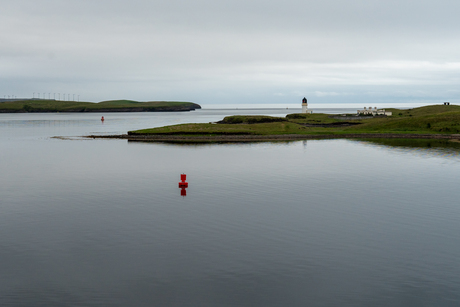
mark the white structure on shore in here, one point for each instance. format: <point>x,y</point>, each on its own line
<point>305,106</point>
<point>374,112</point>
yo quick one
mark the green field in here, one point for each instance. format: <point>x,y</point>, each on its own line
<point>43,105</point>
<point>436,119</point>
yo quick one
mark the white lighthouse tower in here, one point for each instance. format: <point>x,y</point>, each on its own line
<point>305,106</point>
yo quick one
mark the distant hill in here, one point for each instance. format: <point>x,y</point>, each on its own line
<point>44,106</point>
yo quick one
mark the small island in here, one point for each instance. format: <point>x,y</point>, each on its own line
<point>51,105</point>
<point>429,122</point>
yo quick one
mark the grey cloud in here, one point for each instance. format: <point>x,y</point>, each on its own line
<point>210,49</point>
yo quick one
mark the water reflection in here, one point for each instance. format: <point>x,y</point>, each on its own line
<point>304,143</point>
<point>46,123</point>
<point>198,144</point>
<point>420,147</point>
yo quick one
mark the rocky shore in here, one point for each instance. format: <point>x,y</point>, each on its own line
<point>267,138</point>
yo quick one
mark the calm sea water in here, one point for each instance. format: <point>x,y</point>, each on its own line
<point>317,223</point>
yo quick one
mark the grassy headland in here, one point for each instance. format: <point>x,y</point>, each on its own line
<point>418,122</point>
<point>430,119</point>
<point>43,105</point>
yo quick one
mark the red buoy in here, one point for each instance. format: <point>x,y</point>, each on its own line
<point>102,118</point>
<point>183,184</point>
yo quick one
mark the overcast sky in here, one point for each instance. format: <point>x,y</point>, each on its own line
<point>238,52</point>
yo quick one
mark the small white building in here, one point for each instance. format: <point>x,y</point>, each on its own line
<point>305,106</point>
<point>374,112</point>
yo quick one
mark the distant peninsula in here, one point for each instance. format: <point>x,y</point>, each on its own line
<point>430,122</point>
<point>51,105</point>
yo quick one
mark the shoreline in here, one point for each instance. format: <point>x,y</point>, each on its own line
<point>268,138</point>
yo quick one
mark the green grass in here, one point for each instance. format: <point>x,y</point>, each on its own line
<point>37,104</point>
<point>251,119</point>
<point>425,120</point>
<point>119,102</point>
<point>315,118</point>
<point>420,122</point>
<point>219,129</point>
